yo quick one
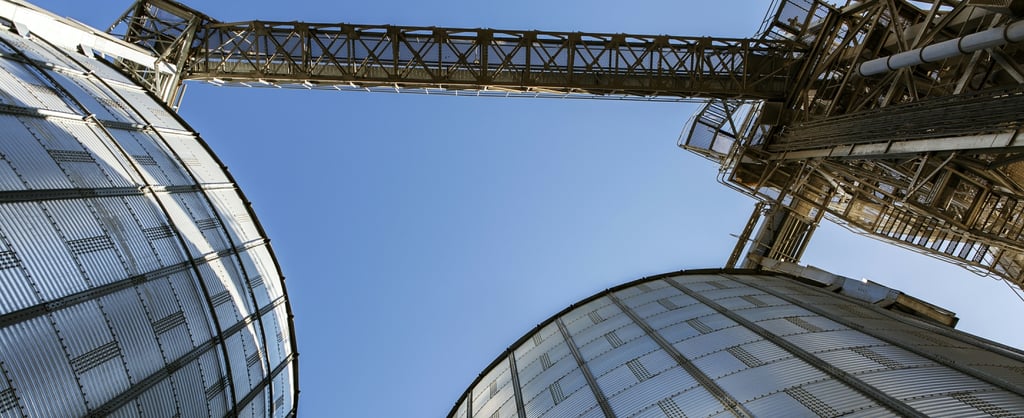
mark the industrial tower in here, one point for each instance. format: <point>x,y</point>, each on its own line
<point>896,119</point>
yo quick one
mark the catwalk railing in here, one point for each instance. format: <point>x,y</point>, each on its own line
<point>446,59</point>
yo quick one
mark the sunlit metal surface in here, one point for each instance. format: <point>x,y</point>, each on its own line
<point>134,278</point>
<point>739,343</point>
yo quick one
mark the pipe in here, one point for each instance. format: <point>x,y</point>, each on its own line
<point>994,37</point>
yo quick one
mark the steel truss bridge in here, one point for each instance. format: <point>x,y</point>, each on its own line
<point>899,119</point>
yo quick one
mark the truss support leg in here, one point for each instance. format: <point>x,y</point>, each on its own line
<point>783,235</point>
<point>744,236</point>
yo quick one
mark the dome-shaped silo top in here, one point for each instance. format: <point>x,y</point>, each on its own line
<point>134,278</point>
<point>732,343</point>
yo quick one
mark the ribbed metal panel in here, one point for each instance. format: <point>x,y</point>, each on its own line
<point>538,383</point>
<point>781,404</point>
<point>490,397</point>
<point>650,391</point>
<point>720,295</point>
<point>275,350</point>
<point>39,368</point>
<point>254,365</point>
<point>208,228</point>
<point>96,357</point>
<point>158,401</point>
<point>765,351</point>
<point>282,385</point>
<point>237,358</point>
<point>197,319</point>
<point>717,365</point>
<point>613,358</point>
<point>681,314</point>
<point>908,383</point>
<point>617,380</point>
<point>196,159</point>
<point>694,401</point>
<point>6,49</point>
<point>92,97</point>
<point>214,383</point>
<point>538,405</point>
<point>863,359</point>
<point>268,279</point>
<point>95,247</point>
<point>965,404</point>
<point>564,370</point>
<point>580,318</point>
<point>232,280</point>
<point>104,71</point>
<point>121,222</point>
<point>796,324</point>
<point>841,398</point>
<point>16,289</point>
<point>148,108</point>
<point>192,396</point>
<point>593,340</point>
<point>652,308</point>
<point>543,341</point>
<point>82,329</point>
<point>163,237</point>
<point>253,407</point>
<point>749,384</point>
<point>152,158</point>
<point>134,333</point>
<point>41,250</point>
<point>635,300</point>
<point>254,280</point>
<point>581,399</point>
<point>8,177</point>
<point>236,216</point>
<point>827,340</point>
<point>28,87</point>
<point>33,165</point>
<point>758,314</point>
<point>678,332</point>
<point>705,344</point>
<point>461,411</point>
<point>195,242</point>
<point>128,410</point>
<point>113,164</point>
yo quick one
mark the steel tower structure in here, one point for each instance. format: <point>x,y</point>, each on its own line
<point>896,118</point>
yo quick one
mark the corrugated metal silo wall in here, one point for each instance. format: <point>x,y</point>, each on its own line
<point>134,280</point>
<point>738,344</point>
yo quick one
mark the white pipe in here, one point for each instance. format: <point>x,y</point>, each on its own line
<point>994,37</point>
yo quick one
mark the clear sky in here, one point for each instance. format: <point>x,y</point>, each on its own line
<point>420,236</point>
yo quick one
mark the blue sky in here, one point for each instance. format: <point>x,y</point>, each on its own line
<point>422,235</point>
